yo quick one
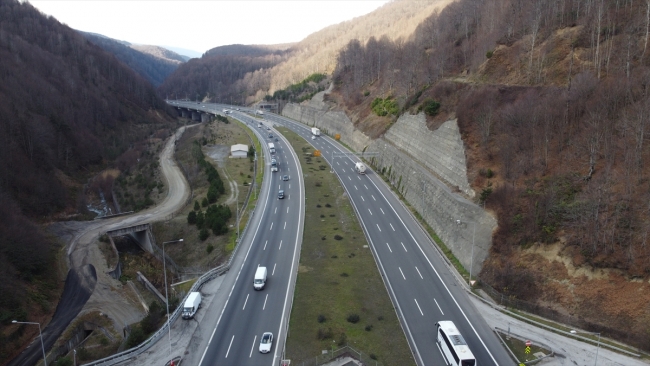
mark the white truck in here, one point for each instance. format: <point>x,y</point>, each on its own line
<point>360,168</point>
<point>274,165</point>
<point>272,148</point>
<point>315,131</point>
<point>259,112</point>
<point>192,305</point>
<point>260,278</point>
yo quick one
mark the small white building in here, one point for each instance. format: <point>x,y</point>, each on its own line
<point>239,151</point>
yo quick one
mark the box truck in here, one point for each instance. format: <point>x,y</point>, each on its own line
<point>315,131</point>
<point>192,305</point>
<point>260,278</point>
<point>360,168</point>
<point>274,165</point>
<point>271,148</point>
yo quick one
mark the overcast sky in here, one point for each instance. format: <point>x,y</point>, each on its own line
<point>202,25</point>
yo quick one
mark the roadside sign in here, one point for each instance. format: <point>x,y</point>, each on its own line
<point>529,343</point>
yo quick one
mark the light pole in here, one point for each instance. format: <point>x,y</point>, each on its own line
<point>255,178</point>
<point>75,356</point>
<point>169,326</point>
<point>40,335</point>
<point>573,331</point>
<point>471,260</point>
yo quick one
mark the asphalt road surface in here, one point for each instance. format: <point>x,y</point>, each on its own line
<point>422,287</point>
<point>275,244</point>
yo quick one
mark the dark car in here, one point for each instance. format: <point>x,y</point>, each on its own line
<point>270,135</point>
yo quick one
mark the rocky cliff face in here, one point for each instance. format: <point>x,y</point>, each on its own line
<point>427,167</point>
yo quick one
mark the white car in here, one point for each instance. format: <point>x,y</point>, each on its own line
<point>313,137</point>
<point>266,342</point>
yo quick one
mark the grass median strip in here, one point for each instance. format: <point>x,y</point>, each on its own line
<point>340,298</point>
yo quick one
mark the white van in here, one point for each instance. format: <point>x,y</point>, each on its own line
<point>260,278</point>
<point>192,305</point>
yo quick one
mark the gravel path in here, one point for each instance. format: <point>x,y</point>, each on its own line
<point>88,286</point>
<point>572,352</point>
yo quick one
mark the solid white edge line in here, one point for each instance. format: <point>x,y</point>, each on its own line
<point>296,247</point>
<point>437,274</point>
<point>385,279</point>
<point>430,264</point>
<point>235,283</point>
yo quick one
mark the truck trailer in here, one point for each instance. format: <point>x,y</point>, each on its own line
<point>192,305</point>
<point>271,148</point>
<point>315,131</point>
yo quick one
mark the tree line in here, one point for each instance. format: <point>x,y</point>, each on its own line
<point>555,116</point>
<point>67,110</point>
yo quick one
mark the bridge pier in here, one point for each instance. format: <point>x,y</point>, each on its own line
<point>140,233</point>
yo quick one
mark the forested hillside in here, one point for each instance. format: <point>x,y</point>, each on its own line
<point>215,74</point>
<point>552,103</point>
<point>266,69</point>
<point>152,63</point>
<point>67,109</point>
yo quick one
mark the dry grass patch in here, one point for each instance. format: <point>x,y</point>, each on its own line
<point>340,298</point>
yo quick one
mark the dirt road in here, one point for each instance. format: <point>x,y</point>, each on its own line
<point>88,286</point>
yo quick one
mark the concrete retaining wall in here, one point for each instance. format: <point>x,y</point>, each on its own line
<point>422,165</point>
<point>329,122</point>
<point>440,151</point>
<point>438,205</point>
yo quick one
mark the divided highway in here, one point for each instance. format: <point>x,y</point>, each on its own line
<point>422,288</point>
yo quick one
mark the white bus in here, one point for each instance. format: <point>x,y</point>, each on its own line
<point>452,345</point>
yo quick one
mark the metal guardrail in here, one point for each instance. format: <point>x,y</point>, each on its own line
<point>137,350</point>
<point>208,276</point>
